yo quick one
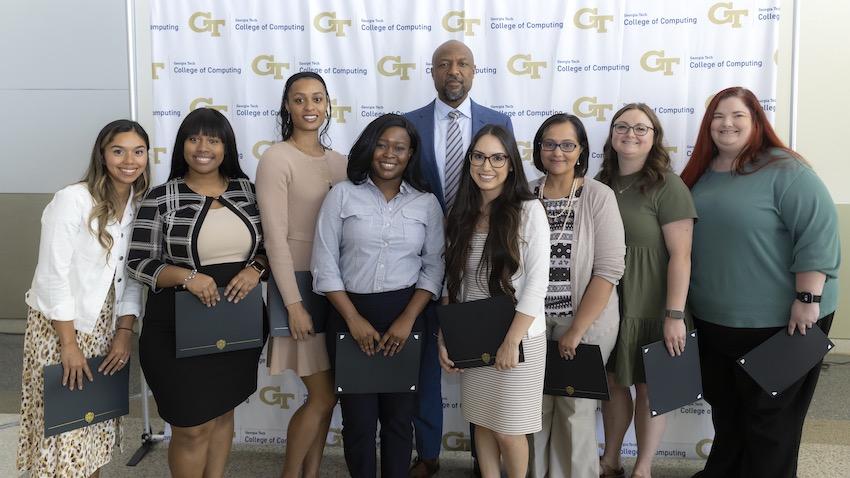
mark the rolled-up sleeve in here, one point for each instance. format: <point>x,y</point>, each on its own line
<point>144,258</point>
<point>433,267</point>
<point>130,302</point>
<point>60,224</point>
<point>535,250</point>
<point>327,275</point>
<point>807,210</point>
<point>609,239</point>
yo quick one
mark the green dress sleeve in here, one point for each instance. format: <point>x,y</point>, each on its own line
<point>673,201</point>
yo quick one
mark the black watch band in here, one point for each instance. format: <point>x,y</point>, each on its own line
<point>257,266</point>
<point>808,297</point>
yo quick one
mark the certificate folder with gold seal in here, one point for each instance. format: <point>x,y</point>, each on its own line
<point>356,372</point>
<point>582,377</point>
<point>227,326</point>
<point>317,306</point>
<point>474,331</point>
<point>107,397</point>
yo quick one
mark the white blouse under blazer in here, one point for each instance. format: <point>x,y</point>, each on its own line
<point>73,274</point>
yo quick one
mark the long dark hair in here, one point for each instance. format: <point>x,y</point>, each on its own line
<point>501,249</point>
<point>761,139</point>
<point>580,168</point>
<point>363,150</point>
<point>657,161</point>
<point>284,119</point>
<point>207,122</point>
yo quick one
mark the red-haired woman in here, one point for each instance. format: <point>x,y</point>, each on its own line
<point>765,258</point>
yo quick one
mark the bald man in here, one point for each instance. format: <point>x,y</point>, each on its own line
<point>453,70</point>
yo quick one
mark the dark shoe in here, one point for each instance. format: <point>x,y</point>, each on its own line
<point>424,468</point>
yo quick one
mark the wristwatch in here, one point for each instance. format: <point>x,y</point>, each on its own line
<point>257,266</point>
<point>808,297</point>
<point>674,314</point>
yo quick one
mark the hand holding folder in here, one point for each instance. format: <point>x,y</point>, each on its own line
<point>104,398</point>
<point>783,359</point>
<point>672,382</point>
<point>583,376</point>
<point>474,331</point>
<point>227,326</point>
<point>357,372</point>
<point>315,305</point>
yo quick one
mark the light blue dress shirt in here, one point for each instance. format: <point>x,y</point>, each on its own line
<point>365,244</point>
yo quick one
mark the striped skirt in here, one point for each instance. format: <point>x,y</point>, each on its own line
<point>507,401</point>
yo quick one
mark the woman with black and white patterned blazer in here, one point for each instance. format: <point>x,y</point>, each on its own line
<point>199,231</point>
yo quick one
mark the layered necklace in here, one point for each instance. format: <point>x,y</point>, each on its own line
<point>565,211</point>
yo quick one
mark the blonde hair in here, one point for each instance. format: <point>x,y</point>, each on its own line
<point>100,186</point>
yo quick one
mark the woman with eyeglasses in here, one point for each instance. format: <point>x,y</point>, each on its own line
<point>766,259</point>
<point>586,260</point>
<point>658,215</point>
<point>497,244</point>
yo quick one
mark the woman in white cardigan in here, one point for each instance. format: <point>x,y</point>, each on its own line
<point>497,244</point>
<point>81,304</point>
<point>587,259</point>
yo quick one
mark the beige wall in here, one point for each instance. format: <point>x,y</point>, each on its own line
<point>822,102</point>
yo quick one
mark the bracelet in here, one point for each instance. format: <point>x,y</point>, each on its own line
<point>189,277</point>
<point>125,328</point>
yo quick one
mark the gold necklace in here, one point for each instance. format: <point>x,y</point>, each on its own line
<point>621,191</point>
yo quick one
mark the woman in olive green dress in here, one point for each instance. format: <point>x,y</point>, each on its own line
<point>658,215</point>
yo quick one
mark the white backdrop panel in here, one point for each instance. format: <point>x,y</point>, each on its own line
<point>533,59</point>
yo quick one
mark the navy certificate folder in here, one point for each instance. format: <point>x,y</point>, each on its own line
<point>317,306</point>
<point>357,372</point>
<point>783,359</point>
<point>582,377</point>
<point>672,382</point>
<point>474,330</point>
<point>202,330</point>
<point>107,397</point>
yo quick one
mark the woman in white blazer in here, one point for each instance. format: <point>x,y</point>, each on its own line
<point>81,304</point>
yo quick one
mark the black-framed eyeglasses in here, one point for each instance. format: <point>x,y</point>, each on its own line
<point>566,146</point>
<point>639,129</point>
<point>497,160</point>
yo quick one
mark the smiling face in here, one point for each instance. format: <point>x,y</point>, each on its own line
<point>452,70</point>
<point>126,157</point>
<point>392,153</point>
<point>731,125</point>
<point>203,154</point>
<point>489,180</point>
<point>558,162</point>
<point>307,104</point>
<point>629,146</point>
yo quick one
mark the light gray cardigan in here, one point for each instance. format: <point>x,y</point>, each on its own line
<point>599,249</point>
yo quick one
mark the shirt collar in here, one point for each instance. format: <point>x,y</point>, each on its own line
<point>443,109</point>
<point>404,189</point>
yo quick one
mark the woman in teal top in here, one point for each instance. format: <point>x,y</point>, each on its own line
<point>765,258</point>
<point>658,216</point>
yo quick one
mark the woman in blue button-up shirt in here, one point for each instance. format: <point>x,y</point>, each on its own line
<point>379,240</point>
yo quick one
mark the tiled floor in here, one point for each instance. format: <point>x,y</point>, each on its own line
<point>825,451</point>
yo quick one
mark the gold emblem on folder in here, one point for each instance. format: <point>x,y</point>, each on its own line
<point>570,390</point>
<point>220,344</point>
<point>89,417</point>
<point>485,357</point>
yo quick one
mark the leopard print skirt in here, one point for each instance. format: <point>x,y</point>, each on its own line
<point>77,453</point>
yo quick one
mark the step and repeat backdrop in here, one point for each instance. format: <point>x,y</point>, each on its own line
<point>533,59</point>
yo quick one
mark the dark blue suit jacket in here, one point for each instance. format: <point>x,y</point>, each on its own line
<point>423,120</point>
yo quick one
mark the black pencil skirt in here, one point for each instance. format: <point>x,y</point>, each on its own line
<point>193,390</point>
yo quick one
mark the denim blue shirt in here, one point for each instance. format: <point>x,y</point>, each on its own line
<point>365,244</point>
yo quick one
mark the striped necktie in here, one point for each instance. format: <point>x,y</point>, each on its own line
<point>454,158</point>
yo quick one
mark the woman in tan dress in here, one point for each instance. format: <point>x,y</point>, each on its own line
<point>81,305</point>
<point>293,178</point>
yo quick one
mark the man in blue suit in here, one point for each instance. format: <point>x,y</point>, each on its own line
<point>453,69</point>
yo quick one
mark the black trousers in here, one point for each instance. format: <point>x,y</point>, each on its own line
<point>755,435</point>
<point>362,412</point>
